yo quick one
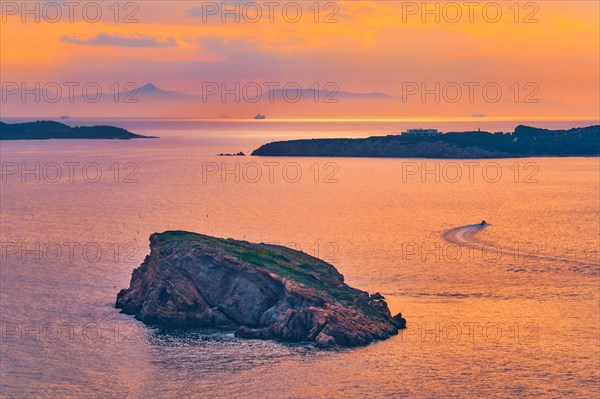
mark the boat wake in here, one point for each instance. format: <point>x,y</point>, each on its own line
<point>523,254</point>
<point>464,235</point>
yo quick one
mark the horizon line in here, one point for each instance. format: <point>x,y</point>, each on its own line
<point>335,119</point>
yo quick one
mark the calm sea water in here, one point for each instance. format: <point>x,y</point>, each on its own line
<point>509,310</point>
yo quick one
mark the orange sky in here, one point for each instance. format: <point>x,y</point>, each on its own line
<point>373,47</point>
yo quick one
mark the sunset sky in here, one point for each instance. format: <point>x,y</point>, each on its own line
<point>367,46</point>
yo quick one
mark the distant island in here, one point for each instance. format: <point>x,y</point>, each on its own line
<point>525,141</point>
<point>45,130</point>
<point>261,291</point>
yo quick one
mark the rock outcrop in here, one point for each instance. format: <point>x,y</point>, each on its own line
<point>262,291</point>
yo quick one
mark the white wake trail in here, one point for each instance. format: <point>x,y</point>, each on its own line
<point>466,236</point>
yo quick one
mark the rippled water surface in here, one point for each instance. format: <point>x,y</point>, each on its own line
<point>509,309</point>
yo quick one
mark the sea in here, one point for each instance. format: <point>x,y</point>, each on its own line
<point>506,309</point>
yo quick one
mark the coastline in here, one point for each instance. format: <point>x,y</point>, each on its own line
<point>524,142</point>
<point>51,130</point>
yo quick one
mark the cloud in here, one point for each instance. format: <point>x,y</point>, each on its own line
<point>116,40</point>
<point>233,47</point>
<point>224,9</point>
<point>236,47</point>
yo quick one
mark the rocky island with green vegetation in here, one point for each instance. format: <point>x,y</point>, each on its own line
<point>525,141</point>
<point>45,130</point>
<point>261,291</point>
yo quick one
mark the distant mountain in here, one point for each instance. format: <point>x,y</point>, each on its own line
<point>150,92</point>
<point>44,130</point>
<point>321,95</point>
<point>152,100</point>
<point>526,141</point>
<point>150,88</point>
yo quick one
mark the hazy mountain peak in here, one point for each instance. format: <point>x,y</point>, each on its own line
<point>149,87</point>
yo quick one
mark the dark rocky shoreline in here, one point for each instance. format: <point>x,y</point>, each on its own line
<point>46,130</point>
<point>525,141</point>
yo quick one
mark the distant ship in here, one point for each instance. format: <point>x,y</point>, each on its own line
<point>65,117</point>
<point>259,116</point>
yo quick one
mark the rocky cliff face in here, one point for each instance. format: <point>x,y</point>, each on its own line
<point>262,291</point>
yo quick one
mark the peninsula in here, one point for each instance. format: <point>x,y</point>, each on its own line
<point>261,291</point>
<point>45,130</point>
<point>525,141</point>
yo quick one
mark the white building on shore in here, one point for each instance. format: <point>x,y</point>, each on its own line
<point>421,133</point>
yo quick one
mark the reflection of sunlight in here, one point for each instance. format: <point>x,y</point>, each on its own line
<point>397,119</point>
